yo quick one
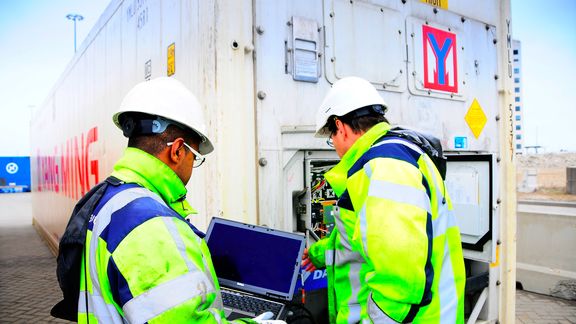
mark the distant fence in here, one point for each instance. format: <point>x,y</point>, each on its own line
<point>541,179</point>
<point>571,180</point>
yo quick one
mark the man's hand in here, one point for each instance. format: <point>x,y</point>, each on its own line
<point>265,318</point>
<point>306,262</point>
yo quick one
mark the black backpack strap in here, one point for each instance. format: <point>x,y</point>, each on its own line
<point>114,181</point>
<point>428,143</point>
<point>71,249</point>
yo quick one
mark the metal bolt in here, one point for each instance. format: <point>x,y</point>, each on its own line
<point>462,47</point>
<point>403,1</point>
<point>494,41</point>
<point>498,159</point>
<point>319,54</point>
<point>498,242</point>
<point>487,27</point>
<point>248,48</point>
<point>331,15</point>
<point>383,86</point>
<point>498,282</point>
<point>451,95</point>
<point>332,59</point>
<point>381,10</point>
<point>498,201</point>
<point>399,32</point>
<point>234,44</point>
<point>412,35</point>
<point>262,161</point>
<point>435,10</point>
<point>261,95</point>
<point>351,2</point>
<point>496,77</point>
<point>463,19</point>
<point>413,73</point>
<point>260,30</point>
<point>497,117</point>
<point>401,71</point>
<point>289,23</point>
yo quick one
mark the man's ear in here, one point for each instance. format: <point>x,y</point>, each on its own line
<point>342,127</point>
<point>175,154</point>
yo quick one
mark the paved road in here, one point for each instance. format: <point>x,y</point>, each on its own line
<point>28,286</point>
<point>564,209</point>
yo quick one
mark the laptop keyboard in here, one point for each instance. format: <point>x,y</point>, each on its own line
<point>249,303</point>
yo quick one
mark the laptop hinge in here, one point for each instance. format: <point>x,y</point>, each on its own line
<point>275,296</point>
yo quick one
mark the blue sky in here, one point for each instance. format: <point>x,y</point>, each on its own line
<point>547,31</point>
<point>37,43</point>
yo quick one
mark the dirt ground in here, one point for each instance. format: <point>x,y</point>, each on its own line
<point>544,176</point>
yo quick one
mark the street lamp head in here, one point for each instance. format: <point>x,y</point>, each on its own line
<point>74,17</point>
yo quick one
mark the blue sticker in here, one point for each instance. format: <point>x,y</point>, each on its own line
<point>312,280</point>
<point>460,142</point>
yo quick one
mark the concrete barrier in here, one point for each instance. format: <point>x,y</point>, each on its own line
<point>546,245</point>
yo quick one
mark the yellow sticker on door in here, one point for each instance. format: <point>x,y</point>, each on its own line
<point>475,118</point>
<point>171,64</point>
<point>437,3</point>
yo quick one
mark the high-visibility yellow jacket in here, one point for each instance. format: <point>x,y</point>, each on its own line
<point>395,254</point>
<point>143,261</point>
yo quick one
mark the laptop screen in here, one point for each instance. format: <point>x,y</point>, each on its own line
<point>254,258</point>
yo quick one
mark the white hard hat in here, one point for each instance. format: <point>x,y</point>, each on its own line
<point>346,95</point>
<point>170,99</point>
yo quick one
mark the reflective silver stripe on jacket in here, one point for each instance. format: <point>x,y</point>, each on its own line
<point>329,257</point>
<point>344,240</point>
<point>446,218</point>
<point>169,222</point>
<point>376,314</point>
<point>354,261</point>
<point>105,313</point>
<point>166,296</point>
<point>354,308</point>
<point>399,193</point>
<point>216,315</point>
<point>447,289</point>
<point>446,285</point>
<point>399,141</point>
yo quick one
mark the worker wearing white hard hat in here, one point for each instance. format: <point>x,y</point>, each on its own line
<point>144,263</point>
<point>395,253</point>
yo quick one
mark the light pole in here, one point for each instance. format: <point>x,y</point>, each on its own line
<point>75,17</point>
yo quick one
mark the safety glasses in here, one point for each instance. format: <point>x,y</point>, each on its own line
<point>329,141</point>
<point>198,158</point>
<point>332,129</point>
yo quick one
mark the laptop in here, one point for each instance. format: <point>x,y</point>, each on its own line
<point>257,267</point>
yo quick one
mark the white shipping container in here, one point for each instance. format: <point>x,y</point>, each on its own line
<point>260,69</point>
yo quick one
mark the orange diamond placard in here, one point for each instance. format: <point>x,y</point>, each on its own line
<point>475,118</point>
